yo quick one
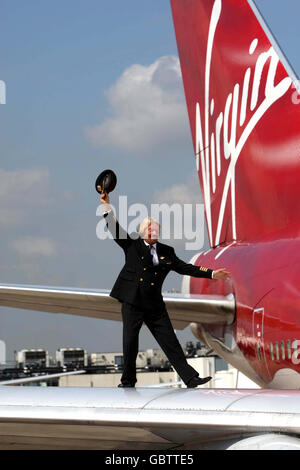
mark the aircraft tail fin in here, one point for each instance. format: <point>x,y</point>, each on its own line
<point>244,118</point>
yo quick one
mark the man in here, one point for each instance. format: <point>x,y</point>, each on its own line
<point>138,288</point>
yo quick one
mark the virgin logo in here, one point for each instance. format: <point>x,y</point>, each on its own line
<point>213,143</point>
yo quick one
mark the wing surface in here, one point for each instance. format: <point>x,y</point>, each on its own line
<point>145,418</point>
<point>183,308</point>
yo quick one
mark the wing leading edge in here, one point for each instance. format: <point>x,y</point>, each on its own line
<point>40,378</point>
<point>183,308</point>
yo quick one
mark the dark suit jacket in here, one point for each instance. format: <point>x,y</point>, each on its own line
<point>140,282</point>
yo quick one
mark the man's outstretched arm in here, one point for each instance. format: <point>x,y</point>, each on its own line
<point>188,269</point>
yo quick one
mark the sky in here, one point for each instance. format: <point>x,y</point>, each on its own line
<point>91,85</point>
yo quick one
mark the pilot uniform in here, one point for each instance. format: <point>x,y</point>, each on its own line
<point>138,288</point>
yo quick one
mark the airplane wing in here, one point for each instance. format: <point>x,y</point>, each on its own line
<point>148,418</point>
<point>39,378</point>
<point>183,309</point>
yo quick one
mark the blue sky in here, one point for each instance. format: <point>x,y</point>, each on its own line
<point>63,63</point>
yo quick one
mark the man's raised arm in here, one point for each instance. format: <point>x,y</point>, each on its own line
<point>120,235</point>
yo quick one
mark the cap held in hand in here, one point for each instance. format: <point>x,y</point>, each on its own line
<point>106,181</point>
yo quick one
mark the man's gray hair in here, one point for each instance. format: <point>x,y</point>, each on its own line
<point>145,222</point>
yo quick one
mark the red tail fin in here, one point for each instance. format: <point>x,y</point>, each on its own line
<point>245,125</point>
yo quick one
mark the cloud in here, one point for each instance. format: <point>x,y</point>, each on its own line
<point>20,191</point>
<point>25,186</point>
<point>148,110</point>
<point>181,212</point>
<point>10,218</point>
<point>35,246</point>
<point>184,193</point>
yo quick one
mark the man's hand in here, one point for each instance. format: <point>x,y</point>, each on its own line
<point>105,201</point>
<point>221,274</point>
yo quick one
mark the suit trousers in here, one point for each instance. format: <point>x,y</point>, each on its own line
<point>161,327</point>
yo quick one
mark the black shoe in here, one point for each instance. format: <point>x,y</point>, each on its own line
<point>126,385</point>
<point>195,381</point>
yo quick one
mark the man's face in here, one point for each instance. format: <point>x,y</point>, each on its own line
<point>151,233</point>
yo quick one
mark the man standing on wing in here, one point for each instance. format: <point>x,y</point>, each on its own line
<point>138,288</point>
